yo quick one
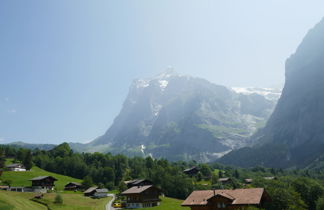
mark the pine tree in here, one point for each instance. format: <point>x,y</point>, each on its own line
<point>27,161</point>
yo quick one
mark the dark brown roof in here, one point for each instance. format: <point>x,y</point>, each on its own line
<point>42,177</point>
<point>190,169</point>
<point>74,183</point>
<point>137,189</point>
<point>239,196</point>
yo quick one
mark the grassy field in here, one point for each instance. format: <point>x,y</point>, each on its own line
<point>21,179</point>
<point>18,201</point>
<point>168,204</point>
<point>75,202</point>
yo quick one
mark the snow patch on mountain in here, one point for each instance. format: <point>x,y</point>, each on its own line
<point>141,83</point>
<point>268,93</point>
<point>163,84</point>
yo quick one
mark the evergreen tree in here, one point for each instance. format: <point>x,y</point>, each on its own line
<point>87,182</point>
<point>27,161</point>
<point>2,158</point>
<point>58,199</point>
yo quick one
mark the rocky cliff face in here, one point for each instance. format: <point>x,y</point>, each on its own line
<point>183,118</point>
<point>295,130</point>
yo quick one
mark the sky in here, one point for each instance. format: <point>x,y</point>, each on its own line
<point>66,66</point>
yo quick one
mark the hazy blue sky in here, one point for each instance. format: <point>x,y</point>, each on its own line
<point>66,65</point>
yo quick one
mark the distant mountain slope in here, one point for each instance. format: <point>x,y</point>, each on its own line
<point>183,118</point>
<point>21,144</point>
<point>294,135</point>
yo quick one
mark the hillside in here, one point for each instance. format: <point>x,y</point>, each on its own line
<point>21,179</point>
<point>183,118</point>
<point>294,133</point>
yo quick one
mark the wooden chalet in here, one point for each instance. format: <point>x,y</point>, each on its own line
<point>224,180</point>
<point>137,182</point>
<point>142,196</point>
<point>90,191</point>
<point>43,182</point>
<point>73,186</point>
<point>270,178</point>
<point>191,171</point>
<point>96,192</point>
<point>248,181</point>
<point>16,167</point>
<point>227,199</point>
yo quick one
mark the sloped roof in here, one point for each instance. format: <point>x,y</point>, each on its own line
<point>104,190</point>
<point>75,183</point>
<point>135,181</point>
<point>14,165</point>
<point>189,169</point>
<point>136,189</point>
<point>224,179</point>
<point>90,189</point>
<point>238,196</point>
<point>41,178</point>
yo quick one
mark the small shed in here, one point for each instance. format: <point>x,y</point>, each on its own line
<point>224,180</point>
<point>191,171</point>
<point>248,181</point>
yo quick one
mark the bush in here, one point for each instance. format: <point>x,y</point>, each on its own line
<point>58,199</point>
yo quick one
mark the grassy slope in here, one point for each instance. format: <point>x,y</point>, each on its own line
<point>168,204</point>
<point>16,200</point>
<point>22,178</point>
<point>72,201</point>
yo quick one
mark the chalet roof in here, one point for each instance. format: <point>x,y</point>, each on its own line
<point>270,177</point>
<point>135,181</point>
<point>14,165</point>
<point>41,178</point>
<point>74,183</point>
<point>90,189</point>
<point>224,179</point>
<point>248,180</point>
<point>104,190</point>
<point>136,189</point>
<point>189,169</point>
<point>238,196</point>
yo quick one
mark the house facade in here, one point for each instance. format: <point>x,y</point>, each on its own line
<point>227,199</point>
<point>43,182</point>
<point>142,196</point>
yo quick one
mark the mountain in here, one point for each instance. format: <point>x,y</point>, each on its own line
<point>21,144</point>
<point>183,118</point>
<point>294,134</point>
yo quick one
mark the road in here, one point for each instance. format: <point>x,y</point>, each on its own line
<point>109,204</point>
